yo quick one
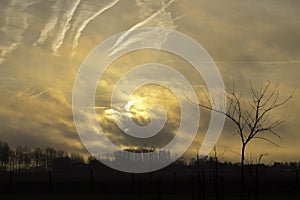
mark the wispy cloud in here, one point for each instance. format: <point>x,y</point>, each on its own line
<point>70,17</point>
<point>85,15</point>
<point>16,22</point>
<point>58,23</point>
<point>65,24</point>
<point>41,93</point>
<point>163,19</point>
<point>50,25</point>
<point>30,93</point>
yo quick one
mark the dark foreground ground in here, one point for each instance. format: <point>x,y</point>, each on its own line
<point>139,197</point>
<point>174,182</point>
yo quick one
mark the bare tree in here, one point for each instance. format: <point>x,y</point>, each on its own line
<point>19,156</point>
<point>50,155</point>
<point>23,157</point>
<point>251,115</point>
<point>76,158</point>
<point>37,156</point>
<point>62,154</point>
<point>4,154</point>
<point>12,160</point>
<point>217,156</point>
<point>27,158</point>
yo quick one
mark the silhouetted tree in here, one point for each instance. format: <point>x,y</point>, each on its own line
<point>180,161</point>
<point>12,160</point>
<point>61,154</point>
<point>38,158</point>
<point>4,154</point>
<point>19,156</point>
<point>217,157</point>
<point>147,154</point>
<point>27,157</point>
<point>91,159</point>
<point>252,118</point>
<point>50,155</point>
<point>76,158</point>
<point>23,157</point>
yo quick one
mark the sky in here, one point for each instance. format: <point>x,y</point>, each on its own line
<point>43,44</point>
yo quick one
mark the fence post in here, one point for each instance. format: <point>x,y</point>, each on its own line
<point>50,181</point>
<point>159,190</point>
<point>92,181</point>
<point>203,185</point>
<point>222,186</point>
<point>297,180</point>
<point>10,181</point>
<point>151,186</point>
<point>215,181</point>
<point>199,186</point>
<point>132,182</point>
<point>256,182</point>
<point>193,188</point>
<point>174,181</point>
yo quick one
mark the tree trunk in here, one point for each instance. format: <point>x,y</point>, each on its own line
<point>243,170</point>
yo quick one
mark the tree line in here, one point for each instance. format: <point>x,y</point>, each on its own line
<point>25,158</point>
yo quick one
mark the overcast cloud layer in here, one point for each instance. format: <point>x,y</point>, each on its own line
<point>43,43</point>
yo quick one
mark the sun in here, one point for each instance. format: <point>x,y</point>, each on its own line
<point>131,103</point>
<point>138,110</point>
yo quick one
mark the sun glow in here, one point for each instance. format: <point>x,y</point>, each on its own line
<point>134,102</point>
<point>146,104</point>
<point>138,110</point>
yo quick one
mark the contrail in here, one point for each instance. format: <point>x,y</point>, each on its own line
<point>126,43</point>
<point>8,48</point>
<point>160,39</point>
<point>180,17</point>
<point>64,27</point>
<point>21,93</point>
<point>87,20</point>
<point>40,93</point>
<point>99,107</point>
<point>15,25</point>
<point>31,93</point>
<point>145,21</point>
<point>50,25</point>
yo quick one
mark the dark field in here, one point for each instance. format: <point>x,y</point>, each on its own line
<point>81,181</point>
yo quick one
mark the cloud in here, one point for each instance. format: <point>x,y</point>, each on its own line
<point>257,41</point>
<point>87,12</point>
<point>16,22</point>
<point>159,18</point>
<point>58,23</point>
<point>50,25</point>
<point>65,25</point>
